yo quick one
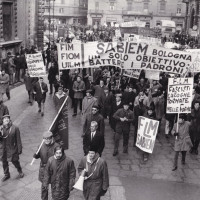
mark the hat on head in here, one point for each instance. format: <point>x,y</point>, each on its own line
<point>126,103</point>
<point>197,101</point>
<point>47,134</point>
<point>183,116</point>
<point>95,106</point>
<point>79,75</point>
<point>6,116</point>
<point>93,148</point>
<point>89,91</point>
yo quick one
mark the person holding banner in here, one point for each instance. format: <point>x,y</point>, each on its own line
<point>45,152</point>
<point>96,178</point>
<point>124,118</point>
<point>60,173</point>
<point>182,141</point>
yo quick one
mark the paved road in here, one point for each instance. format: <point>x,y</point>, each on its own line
<point>123,169</point>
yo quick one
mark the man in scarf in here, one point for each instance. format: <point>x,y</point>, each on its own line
<point>60,173</point>
<point>11,147</point>
<point>96,177</point>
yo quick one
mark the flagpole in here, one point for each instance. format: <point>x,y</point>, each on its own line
<point>50,127</point>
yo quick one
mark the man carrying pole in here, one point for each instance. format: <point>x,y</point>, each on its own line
<point>45,152</point>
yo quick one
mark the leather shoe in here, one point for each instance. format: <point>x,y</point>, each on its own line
<point>74,114</point>
<point>21,175</point>
<point>5,178</point>
<point>175,168</point>
<point>39,110</point>
<point>115,153</point>
<point>183,162</point>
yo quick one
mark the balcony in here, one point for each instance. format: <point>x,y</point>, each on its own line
<point>66,11</point>
<point>95,12</point>
<point>178,15</point>
<point>137,13</point>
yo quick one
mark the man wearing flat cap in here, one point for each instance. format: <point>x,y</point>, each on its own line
<point>124,117</point>
<point>88,102</point>
<point>11,147</point>
<point>46,151</point>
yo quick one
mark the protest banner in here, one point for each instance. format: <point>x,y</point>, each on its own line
<point>59,127</point>
<point>127,55</point>
<point>195,65</point>
<point>179,99</point>
<point>146,135</point>
<point>133,23</point>
<point>35,64</point>
<point>132,73</point>
<point>152,75</point>
<point>69,55</point>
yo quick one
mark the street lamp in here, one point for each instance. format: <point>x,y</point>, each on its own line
<point>186,14</point>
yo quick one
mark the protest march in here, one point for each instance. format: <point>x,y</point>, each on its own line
<point>127,90</point>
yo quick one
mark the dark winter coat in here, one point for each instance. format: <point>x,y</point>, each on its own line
<point>97,141</point>
<point>98,118</point>
<point>3,111</point>
<point>98,182</point>
<point>11,142</point>
<point>44,154</point>
<point>58,100</point>
<point>78,88</point>
<point>105,103</point>
<point>29,82</point>
<point>39,95</point>
<point>61,175</point>
<point>53,71</point>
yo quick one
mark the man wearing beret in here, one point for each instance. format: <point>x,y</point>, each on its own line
<point>124,117</point>
<point>11,147</point>
<point>46,151</point>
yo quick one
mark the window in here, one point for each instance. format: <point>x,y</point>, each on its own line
<point>112,6</point>
<point>7,21</point>
<point>158,23</point>
<point>178,11</point>
<point>96,5</point>
<point>146,5</point>
<point>61,10</point>
<point>129,6</point>
<point>162,5</point>
<point>147,25</point>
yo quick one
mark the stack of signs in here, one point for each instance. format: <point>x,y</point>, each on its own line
<point>179,99</point>
<point>146,135</point>
<point>35,64</point>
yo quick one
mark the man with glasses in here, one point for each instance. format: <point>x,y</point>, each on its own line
<point>46,151</point>
<point>11,147</point>
<point>94,116</point>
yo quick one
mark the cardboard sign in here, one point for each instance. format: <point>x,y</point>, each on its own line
<point>127,55</point>
<point>179,99</point>
<point>152,75</point>
<point>35,64</point>
<point>146,135</point>
<point>132,73</point>
<point>69,55</point>
<point>118,33</point>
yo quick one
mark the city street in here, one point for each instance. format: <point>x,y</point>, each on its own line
<point>130,177</point>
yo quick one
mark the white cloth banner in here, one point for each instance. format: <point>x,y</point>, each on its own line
<point>179,99</point>
<point>146,134</point>
<point>35,64</point>
<point>127,55</point>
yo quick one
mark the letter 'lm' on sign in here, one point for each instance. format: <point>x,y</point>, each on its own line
<point>146,135</point>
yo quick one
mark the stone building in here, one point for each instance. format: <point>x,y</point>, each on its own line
<point>149,11</point>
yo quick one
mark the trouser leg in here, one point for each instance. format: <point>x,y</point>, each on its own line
<point>51,88</point>
<point>125,139</point>
<point>17,165</point>
<point>8,92</point>
<point>44,193</point>
<point>116,144</point>
<point>166,127</point>
<point>176,158</point>
<point>80,106</point>
<point>75,105</point>
<point>42,107</point>
<point>135,135</point>
<point>5,167</point>
<point>183,156</point>
<point>196,144</point>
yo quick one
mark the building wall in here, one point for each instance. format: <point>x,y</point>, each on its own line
<point>124,11</point>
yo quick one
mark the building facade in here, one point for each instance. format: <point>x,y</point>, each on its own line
<point>193,17</point>
<point>150,11</point>
<point>66,12</point>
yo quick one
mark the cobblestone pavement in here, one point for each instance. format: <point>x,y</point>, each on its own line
<point>32,126</point>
